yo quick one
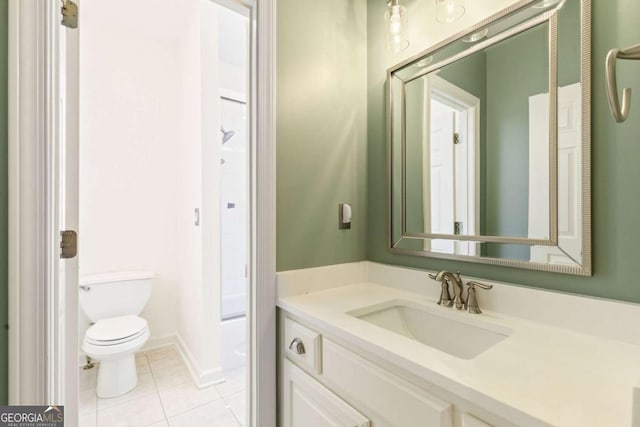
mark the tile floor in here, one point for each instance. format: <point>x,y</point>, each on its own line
<point>165,397</point>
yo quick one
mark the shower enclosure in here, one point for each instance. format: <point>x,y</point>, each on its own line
<point>233,230</point>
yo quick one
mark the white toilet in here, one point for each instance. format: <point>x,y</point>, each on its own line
<point>112,302</point>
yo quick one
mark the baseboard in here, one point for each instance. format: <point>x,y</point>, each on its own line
<point>201,378</point>
<point>159,341</point>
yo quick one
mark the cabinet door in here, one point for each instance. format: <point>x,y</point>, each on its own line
<point>307,403</point>
<point>389,400</point>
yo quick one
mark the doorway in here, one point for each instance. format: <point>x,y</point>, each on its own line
<point>53,378</point>
<point>177,92</point>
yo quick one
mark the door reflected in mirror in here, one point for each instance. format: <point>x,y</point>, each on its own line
<point>487,144</point>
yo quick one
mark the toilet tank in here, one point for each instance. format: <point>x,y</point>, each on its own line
<point>114,294</point>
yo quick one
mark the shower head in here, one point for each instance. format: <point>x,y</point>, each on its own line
<point>226,134</point>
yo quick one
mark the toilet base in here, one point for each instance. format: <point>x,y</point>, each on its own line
<point>117,376</point>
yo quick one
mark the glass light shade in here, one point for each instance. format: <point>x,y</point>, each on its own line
<point>396,21</point>
<point>448,11</point>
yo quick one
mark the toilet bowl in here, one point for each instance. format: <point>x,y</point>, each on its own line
<point>112,302</point>
<point>114,342</point>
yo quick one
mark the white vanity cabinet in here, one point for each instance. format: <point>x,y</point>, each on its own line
<point>307,403</point>
<point>326,384</point>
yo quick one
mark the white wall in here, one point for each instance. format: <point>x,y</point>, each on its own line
<point>198,311</point>
<point>234,52</point>
<point>129,82</point>
<point>141,158</point>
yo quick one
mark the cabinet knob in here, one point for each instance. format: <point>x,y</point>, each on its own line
<point>297,346</point>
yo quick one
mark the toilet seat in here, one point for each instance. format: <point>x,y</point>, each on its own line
<point>110,350</point>
<point>116,330</point>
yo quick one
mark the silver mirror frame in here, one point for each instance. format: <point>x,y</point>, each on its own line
<point>585,79</point>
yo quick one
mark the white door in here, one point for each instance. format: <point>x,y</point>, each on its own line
<point>442,175</point>
<point>307,403</point>
<point>452,150</point>
<point>569,250</point>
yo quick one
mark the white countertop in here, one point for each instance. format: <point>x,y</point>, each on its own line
<point>558,376</point>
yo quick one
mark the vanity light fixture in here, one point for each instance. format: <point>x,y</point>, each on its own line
<point>396,21</point>
<point>448,11</point>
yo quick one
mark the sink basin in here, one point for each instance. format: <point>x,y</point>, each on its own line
<point>450,332</point>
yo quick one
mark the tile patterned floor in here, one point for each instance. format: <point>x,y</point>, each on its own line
<point>165,397</point>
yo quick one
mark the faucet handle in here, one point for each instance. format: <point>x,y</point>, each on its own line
<point>472,300</point>
<point>445,296</point>
<point>473,283</point>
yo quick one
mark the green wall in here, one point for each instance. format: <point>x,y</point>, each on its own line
<point>615,153</point>
<point>507,143</point>
<point>470,74</point>
<point>4,333</point>
<point>321,131</point>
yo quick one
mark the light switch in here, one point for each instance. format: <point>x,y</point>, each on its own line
<point>344,216</point>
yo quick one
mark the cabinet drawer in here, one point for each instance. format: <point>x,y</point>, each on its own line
<point>303,346</point>
<point>308,403</point>
<point>390,400</point>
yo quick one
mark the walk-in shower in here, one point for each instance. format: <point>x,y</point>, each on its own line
<point>233,50</point>
<point>233,230</point>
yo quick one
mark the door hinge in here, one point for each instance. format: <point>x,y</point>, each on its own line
<point>68,244</point>
<point>456,138</point>
<point>457,227</point>
<point>69,13</point>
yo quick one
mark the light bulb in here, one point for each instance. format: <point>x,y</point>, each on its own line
<point>395,27</point>
<point>448,11</point>
<point>396,24</point>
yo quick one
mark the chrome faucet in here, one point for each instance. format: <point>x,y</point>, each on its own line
<point>447,277</point>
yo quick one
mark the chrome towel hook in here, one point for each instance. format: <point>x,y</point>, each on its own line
<point>619,113</point>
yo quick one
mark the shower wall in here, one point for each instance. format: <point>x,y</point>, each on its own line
<point>233,209</point>
<point>234,175</point>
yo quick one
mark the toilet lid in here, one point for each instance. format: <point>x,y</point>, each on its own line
<point>116,328</point>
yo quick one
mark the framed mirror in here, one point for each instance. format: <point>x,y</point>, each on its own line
<point>489,142</point>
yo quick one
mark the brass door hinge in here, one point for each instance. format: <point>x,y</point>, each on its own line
<point>456,138</point>
<point>457,227</point>
<point>68,244</point>
<point>69,13</point>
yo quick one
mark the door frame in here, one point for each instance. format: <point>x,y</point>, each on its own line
<point>35,115</point>
<point>34,127</point>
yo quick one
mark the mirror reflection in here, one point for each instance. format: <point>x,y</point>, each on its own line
<point>486,143</point>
